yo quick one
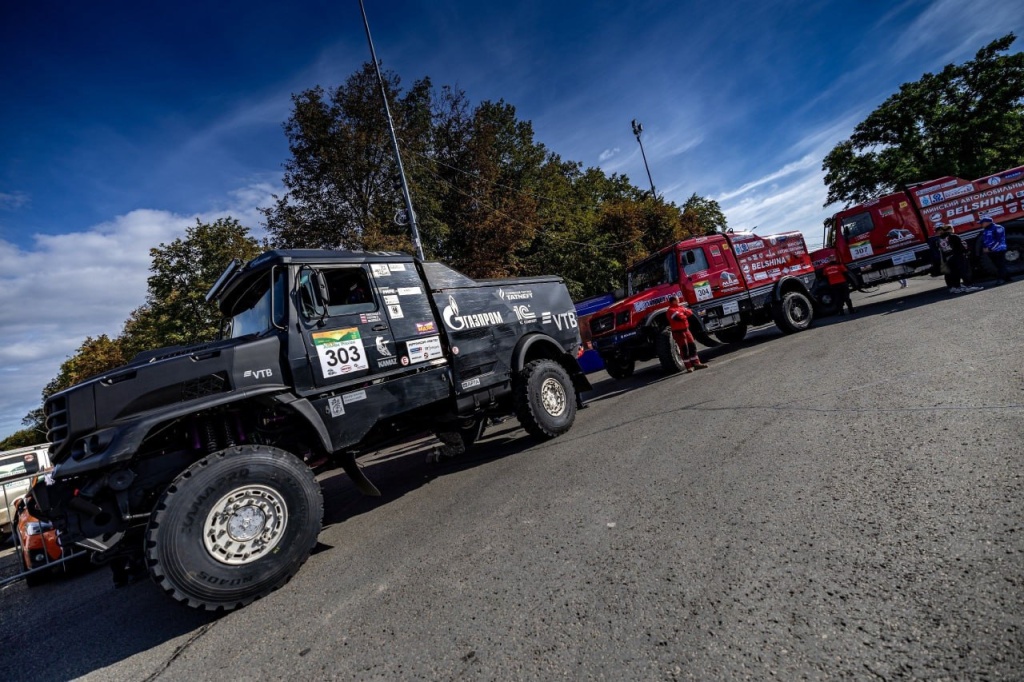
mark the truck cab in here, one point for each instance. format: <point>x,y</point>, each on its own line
<point>324,356</point>
<point>730,280</point>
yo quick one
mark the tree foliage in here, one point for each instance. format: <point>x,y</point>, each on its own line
<point>490,199</point>
<point>967,120</point>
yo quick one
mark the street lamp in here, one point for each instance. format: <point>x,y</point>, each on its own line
<point>637,129</point>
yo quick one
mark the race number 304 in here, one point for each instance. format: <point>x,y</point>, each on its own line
<point>340,351</point>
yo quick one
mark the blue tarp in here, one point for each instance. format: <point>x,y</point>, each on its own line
<point>590,361</point>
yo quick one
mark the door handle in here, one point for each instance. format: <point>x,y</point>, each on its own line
<point>379,327</point>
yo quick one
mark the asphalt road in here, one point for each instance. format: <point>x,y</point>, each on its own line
<point>842,503</point>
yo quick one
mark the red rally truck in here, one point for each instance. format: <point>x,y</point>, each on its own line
<point>893,237</point>
<point>730,280</point>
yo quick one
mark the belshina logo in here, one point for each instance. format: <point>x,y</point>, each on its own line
<point>457,322</point>
<point>382,346</point>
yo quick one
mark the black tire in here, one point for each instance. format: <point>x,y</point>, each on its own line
<point>189,550</point>
<point>668,352</point>
<point>825,303</point>
<point>1015,255</point>
<point>794,313</point>
<point>545,399</point>
<point>619,367</point>
<point>734,334</point>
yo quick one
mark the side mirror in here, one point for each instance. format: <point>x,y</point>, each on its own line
<point>619,294</point>
<point>31,463</point>
<point>321,287</point>
<point>690,258</point>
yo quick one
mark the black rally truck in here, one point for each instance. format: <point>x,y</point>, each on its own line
<point>194,463</point>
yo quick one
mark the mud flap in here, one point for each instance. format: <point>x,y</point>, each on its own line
<point>348,462</point>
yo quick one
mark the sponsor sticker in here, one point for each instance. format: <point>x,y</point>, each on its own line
<point>336,406</point>
<point>380,270</point>
<point>396,267</point>
<point>369,317</point>
<point>521,295</point>
<point>391,299</point>
<point>387,362</point>
<point>730,307</point>
<point>421,350</point>
<point>457,322</point>
<point>353,397</point>
<point>424,327</point>
<point>900,258</point>
<point>340,351</point>
<point>409,291</point>
<point>395,312</point>
<point>470,383</point>
<point>524,314</point>
<point>381,344</point>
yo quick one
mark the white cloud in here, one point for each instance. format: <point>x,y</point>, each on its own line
<point>70,286</point>
<point>607,154</point>
<point>13,200</point>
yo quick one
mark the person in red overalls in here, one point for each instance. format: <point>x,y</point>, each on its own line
<point>680,326</point>
<point>835,273</point>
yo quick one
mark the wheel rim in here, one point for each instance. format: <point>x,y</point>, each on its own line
<point>1012,255</point>
<point>798,311</point>
<point>245,525</point>
<point>552,397</point>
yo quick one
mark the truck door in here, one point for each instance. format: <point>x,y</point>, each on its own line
<point>351,339</point>
<point>406,309</point>
<point>710,271</point>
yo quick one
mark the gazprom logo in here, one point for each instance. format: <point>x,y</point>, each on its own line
<point>457,322</point>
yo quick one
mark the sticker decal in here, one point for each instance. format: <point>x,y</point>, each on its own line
<point>470,383</point>
<point>395,312</point>
<point>369,317</point>
<point>421,350</point>
<point>861,250</point>
<point>702,290</point>
<point>425,327</point>
<point>353,397</point>
<point>391,299</point>
<point>410,291</point>
<point>397,267</point>
<point>336,406</point>
<point>380,270</point>
<point>340,351</point>
<point>458,322</point>
<point>382,346</point>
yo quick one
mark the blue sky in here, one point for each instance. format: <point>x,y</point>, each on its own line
<point>124,122</point>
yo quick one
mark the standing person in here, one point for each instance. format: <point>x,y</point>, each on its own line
<point>838,281</point>
<point>953,254</point>
<point>680,326</point>
<point>993,242</point>
<point>903,283</point>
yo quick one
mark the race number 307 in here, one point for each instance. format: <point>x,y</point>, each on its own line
<point>340,352</point>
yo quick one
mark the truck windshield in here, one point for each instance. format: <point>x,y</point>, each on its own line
<point>251,313</point>
<point>856,225</point>
<point>651,273</point>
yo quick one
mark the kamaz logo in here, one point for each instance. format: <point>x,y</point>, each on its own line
<point>258,373</point>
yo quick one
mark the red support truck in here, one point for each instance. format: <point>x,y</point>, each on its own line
<point>893,237</point>
<point>731,281</point>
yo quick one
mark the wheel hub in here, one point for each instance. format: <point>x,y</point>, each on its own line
<point>245,525</point>
<point>552,397</point>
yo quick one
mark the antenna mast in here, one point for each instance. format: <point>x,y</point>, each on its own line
<point>394,142</point>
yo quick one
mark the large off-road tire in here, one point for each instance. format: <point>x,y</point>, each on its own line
<point>733,334</point>
<point>1015,255</point>
<point>794,313</point>
<point>668,352</point>
<point>545,399</point>
<point>619,367</point>
<point>234,527</point>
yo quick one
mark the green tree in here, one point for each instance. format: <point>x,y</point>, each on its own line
<point>176,311</point>
<point>341,177</point>
<point>703,216</point>
<point>967,120</point>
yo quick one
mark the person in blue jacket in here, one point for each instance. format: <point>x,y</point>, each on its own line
<point>993,243</point>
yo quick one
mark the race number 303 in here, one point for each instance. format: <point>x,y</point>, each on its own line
<point>340,351</point>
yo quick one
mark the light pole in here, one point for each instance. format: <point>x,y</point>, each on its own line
<point>637,129</point>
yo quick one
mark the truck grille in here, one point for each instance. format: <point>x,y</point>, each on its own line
<point>56,411</point>
<point>602,324</point>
